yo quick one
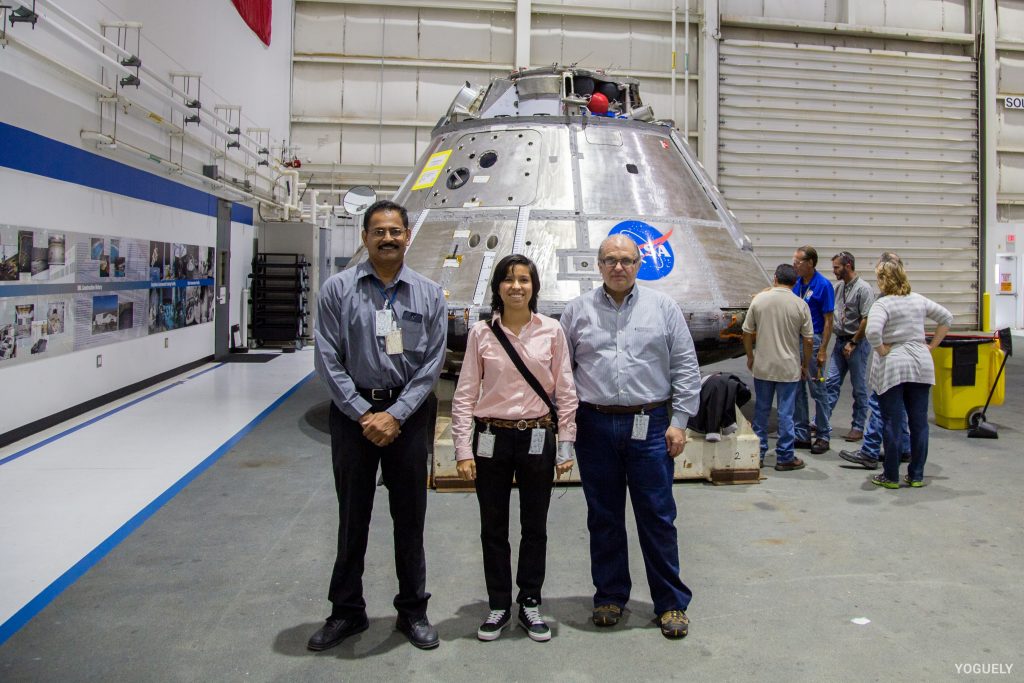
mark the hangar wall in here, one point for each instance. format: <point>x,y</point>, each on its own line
<point>792,107</point>
<point>50,106</point>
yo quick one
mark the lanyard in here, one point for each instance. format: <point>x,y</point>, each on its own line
<point>389,302</point>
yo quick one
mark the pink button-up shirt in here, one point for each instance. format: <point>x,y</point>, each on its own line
<point>491,386</point>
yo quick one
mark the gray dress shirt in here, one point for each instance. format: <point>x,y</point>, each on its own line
<point>349,354</point>
<point>636,353</point>
<point>853,301</point>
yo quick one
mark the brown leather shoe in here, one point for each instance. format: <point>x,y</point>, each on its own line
<point>607,615</point>
<point>794,464</point>
<point>854,435</point>
<point>674,624</point>
<point>819,447</point>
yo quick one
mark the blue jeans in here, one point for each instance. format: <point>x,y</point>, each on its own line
<point>911,398</point>
<point>857,366</point>
<point>820,397</point>
<point>872,445</point>
<point>610,462</point>
<point>764,391</point>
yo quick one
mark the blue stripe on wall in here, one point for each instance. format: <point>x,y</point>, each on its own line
<point>26,151</point>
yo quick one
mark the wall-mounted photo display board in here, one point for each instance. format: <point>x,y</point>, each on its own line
<point>64,291</point>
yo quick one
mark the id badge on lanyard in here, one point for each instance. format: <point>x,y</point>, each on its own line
<point>640,422</point>
<point>485,444</point>
<point>386,324</point>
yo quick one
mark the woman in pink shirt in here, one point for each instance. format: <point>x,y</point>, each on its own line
<point>503,429</point>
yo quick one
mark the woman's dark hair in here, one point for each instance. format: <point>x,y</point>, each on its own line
<point>502,270</point>
<point>385,205</point>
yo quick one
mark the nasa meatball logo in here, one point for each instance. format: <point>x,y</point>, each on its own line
<point>656,256</point>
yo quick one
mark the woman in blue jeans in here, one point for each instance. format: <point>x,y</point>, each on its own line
<point>902,371</point>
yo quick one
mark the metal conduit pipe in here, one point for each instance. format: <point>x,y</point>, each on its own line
<point>107,142</point>
<point>142,68</point>
<point>145,113</point>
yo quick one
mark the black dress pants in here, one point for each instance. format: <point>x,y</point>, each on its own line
<point>494,476</point>
<point>403,464</point>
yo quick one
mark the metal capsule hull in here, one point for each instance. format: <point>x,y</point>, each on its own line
<point>554,187</point>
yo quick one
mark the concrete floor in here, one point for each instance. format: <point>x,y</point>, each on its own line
<point>228,580</point>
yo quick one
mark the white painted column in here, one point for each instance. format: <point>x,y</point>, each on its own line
<point>523,12</point>
<point>990,136</point>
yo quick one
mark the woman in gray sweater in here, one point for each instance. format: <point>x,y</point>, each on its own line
<point>902,371</point>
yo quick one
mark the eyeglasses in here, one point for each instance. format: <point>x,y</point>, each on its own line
<point>379,233</point>
<point>624,262</point>
<point>798,261</point>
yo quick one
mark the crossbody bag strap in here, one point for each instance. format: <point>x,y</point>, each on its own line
<point>521,367</point>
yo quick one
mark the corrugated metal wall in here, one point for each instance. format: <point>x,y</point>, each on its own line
<point>863,150</point>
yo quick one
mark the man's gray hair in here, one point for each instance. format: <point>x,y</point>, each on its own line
<point>617,238</point>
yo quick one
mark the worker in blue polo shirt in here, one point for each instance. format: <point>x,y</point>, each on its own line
<point>816,290</point>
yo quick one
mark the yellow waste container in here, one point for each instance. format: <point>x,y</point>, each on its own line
<point>965,368</point>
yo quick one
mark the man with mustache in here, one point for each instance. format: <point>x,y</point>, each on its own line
<point>380,344</point>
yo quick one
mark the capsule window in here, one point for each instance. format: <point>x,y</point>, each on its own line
<point>474,240</point>
<point>488,159</point>
<point>632,168</point>
<point>457,178</point>
<point>492,241</point>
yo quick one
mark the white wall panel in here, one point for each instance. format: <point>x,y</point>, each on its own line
<point>742,8</point>
<point>796,9</point>
<point>466,36</point>
<point>1011,131</point>
<point>595,42</point>
<point>320,28</point>
<point>317,89</point>
<point>364,31</point>
<point>1011,175</point>
<point>546,39</point>
<point>1010,73</point>
<point>1010,14</point>
<point>318,143</point>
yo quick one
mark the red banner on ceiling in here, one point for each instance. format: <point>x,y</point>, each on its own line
<point>257,15</point>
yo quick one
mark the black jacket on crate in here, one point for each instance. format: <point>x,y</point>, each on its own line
<point>720,395</point>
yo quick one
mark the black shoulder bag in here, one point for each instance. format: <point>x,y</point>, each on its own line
<point>524,371</point>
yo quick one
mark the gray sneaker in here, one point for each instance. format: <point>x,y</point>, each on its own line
<point>858,458</point>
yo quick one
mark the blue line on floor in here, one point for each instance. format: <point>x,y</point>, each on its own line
<point>36,605</point>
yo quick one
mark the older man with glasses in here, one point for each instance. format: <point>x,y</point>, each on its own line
<point>816,290</point>
<point>638,383</point>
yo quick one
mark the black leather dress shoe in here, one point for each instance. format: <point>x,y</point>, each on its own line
<point>335,630</point>
<point>419,632</point>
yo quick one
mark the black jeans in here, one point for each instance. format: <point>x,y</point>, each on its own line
<point>404,466</point>
<point>533,474</point>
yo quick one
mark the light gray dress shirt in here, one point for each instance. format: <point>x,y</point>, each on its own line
<point>636,353</point>
<point>349,354</point>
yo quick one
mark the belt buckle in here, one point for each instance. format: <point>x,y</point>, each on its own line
<point>521,425</point>
<point>386,393</point>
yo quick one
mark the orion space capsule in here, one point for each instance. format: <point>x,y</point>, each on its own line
<point>548,162</point>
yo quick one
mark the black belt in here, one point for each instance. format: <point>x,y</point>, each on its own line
<point>380,395</point>
<point>844,339</point>
<point>624,410</point>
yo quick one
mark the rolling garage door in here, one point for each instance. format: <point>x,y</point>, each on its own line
<point>856,149</point>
